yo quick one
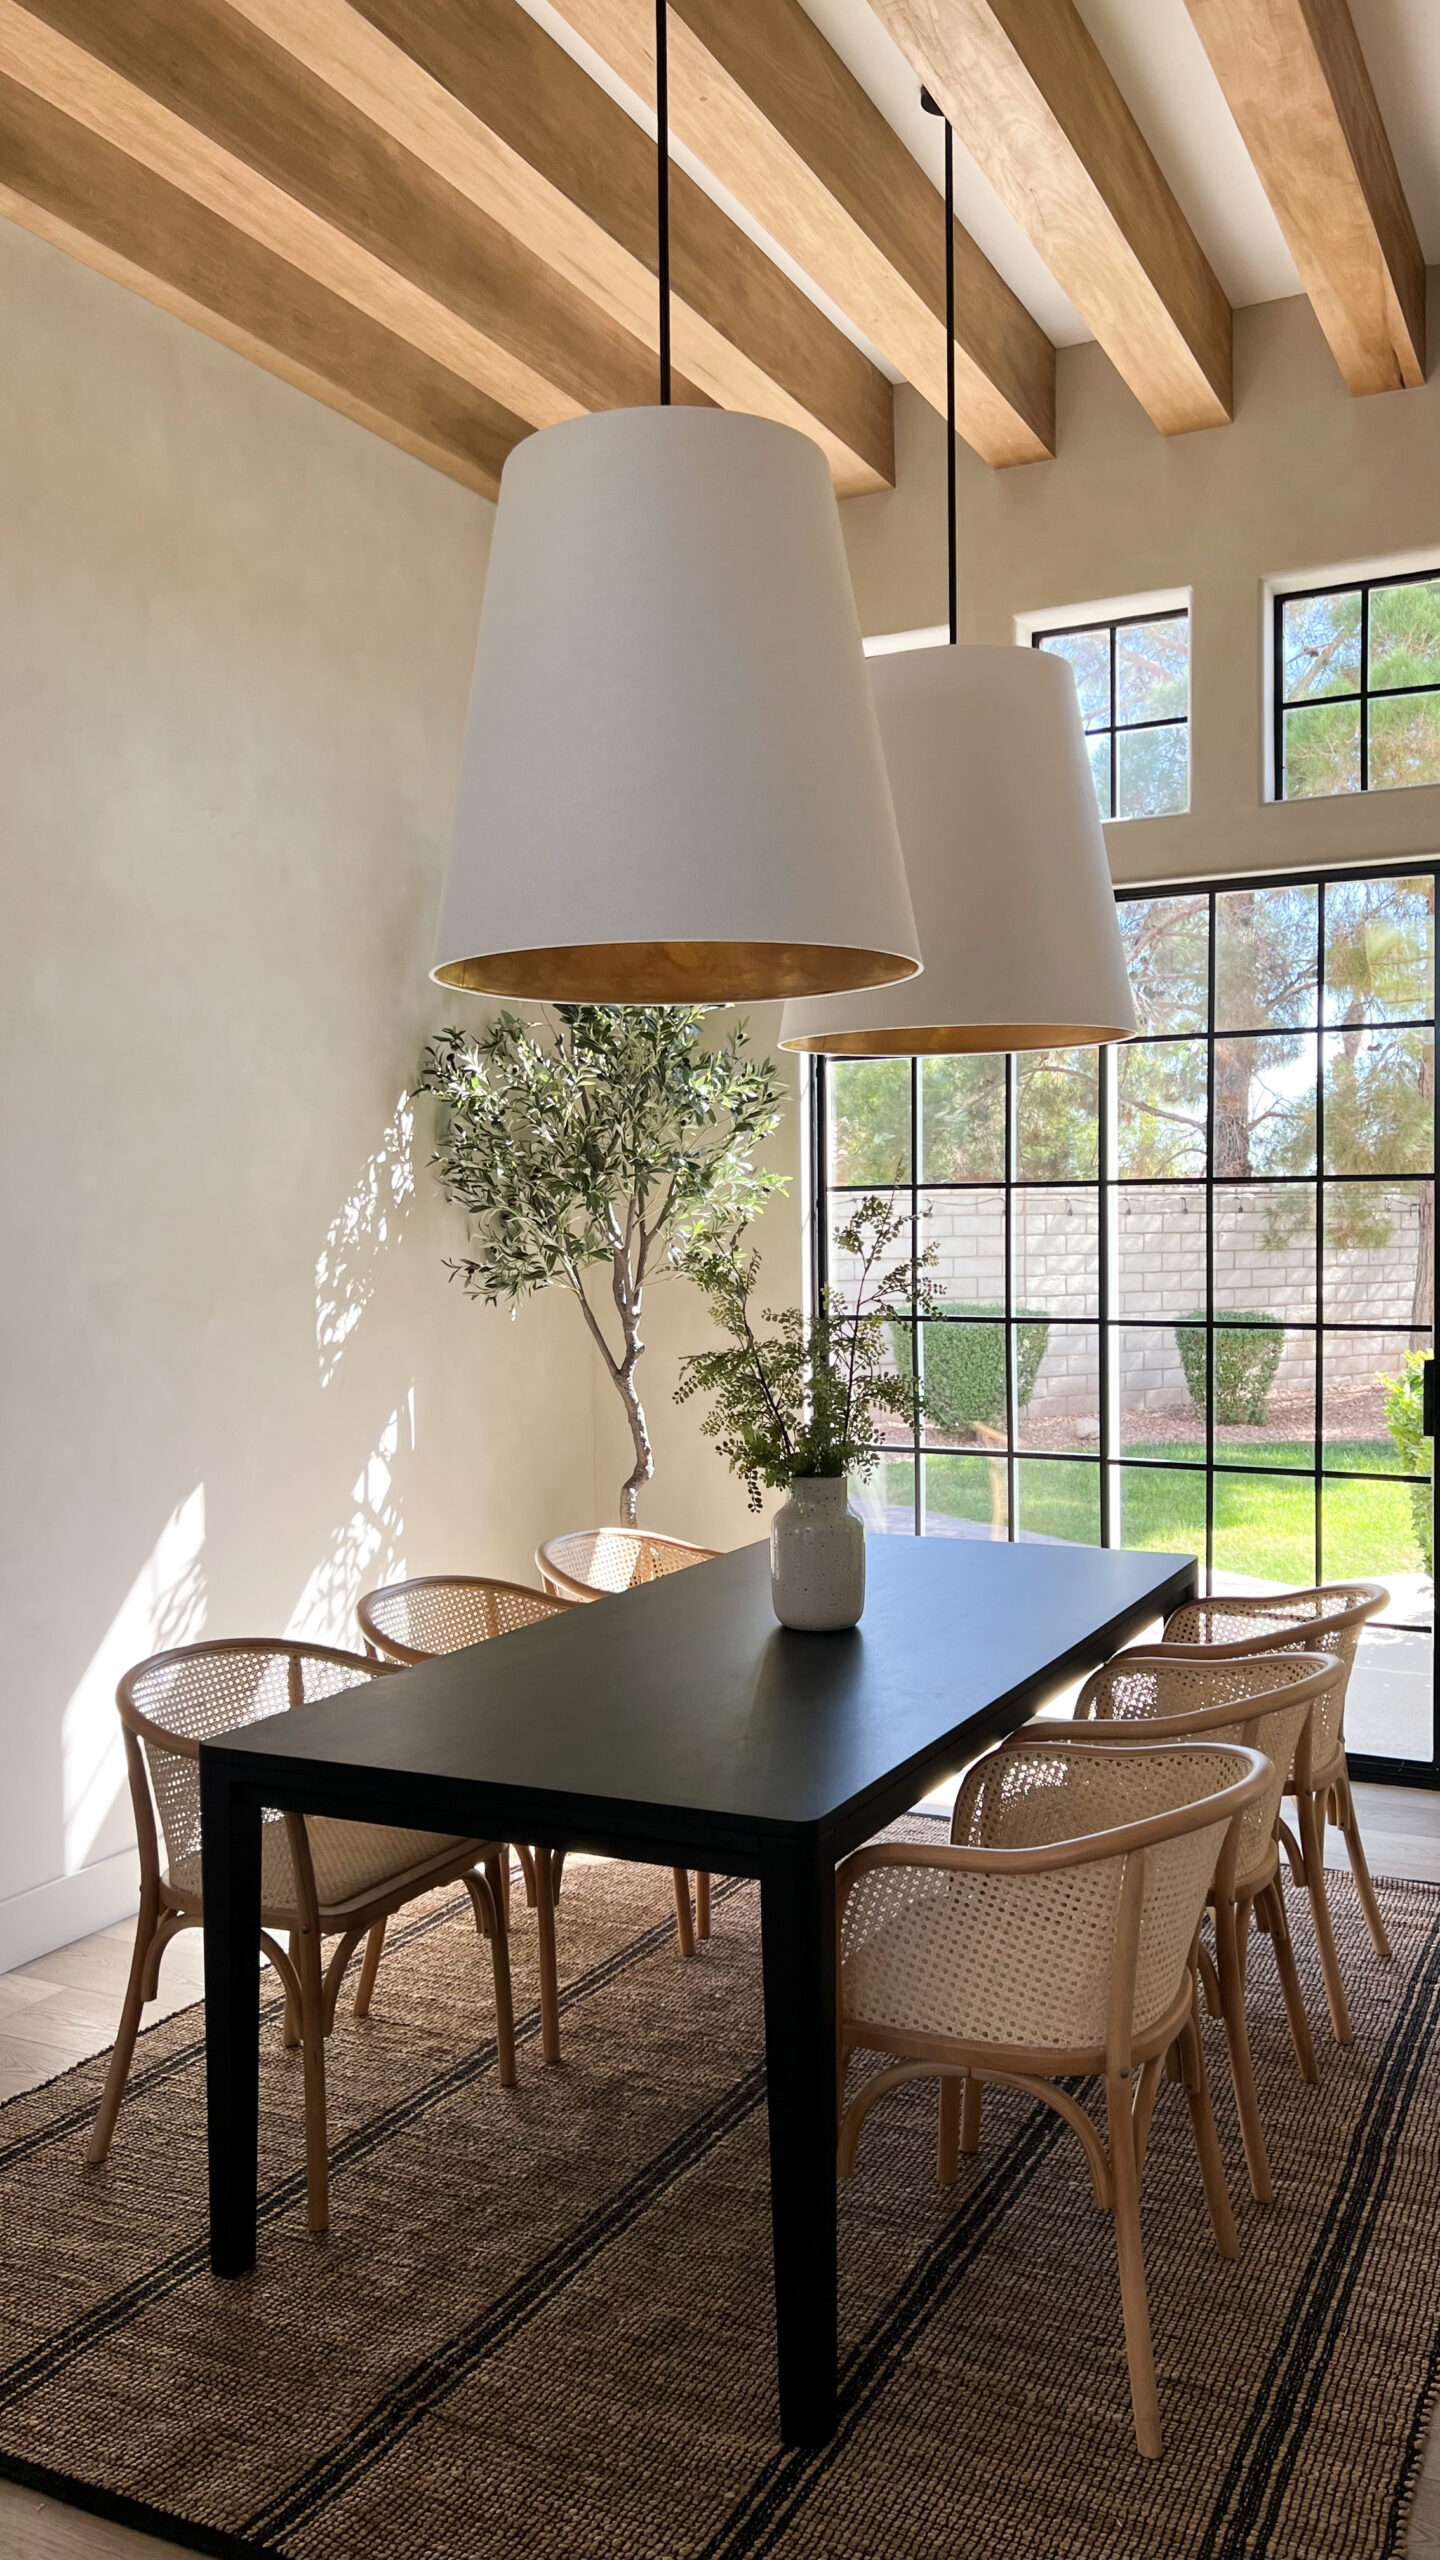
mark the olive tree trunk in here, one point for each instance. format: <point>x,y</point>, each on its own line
<point>627,1283</point>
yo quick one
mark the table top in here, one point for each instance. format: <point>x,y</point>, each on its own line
<point>685,1697</point>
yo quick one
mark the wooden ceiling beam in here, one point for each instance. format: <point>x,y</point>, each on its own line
<point>768,106</point>
<point>202,99</point>
<point>1296,82</point>
<point>1031,99</point>
<point>484,97</point>
<point>62,182</point>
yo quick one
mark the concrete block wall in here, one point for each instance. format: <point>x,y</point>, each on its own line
<point>1160,1275</point>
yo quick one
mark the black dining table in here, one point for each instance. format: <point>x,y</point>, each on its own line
<point>678,1724</point>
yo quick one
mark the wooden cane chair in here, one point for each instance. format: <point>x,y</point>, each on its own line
<point>1055,1936</point>
<point>1327,1619</point>
<point>1266,1702</point>
<point>593,1564</point>
<point>586,1564</point>
<point>319,1878</point>
<point>410,1622</point>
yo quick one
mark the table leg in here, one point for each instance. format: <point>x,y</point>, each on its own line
<point>797,1916</point>
<point>230,1882</point>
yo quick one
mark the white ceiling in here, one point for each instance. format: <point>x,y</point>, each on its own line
<point>1401,44</point>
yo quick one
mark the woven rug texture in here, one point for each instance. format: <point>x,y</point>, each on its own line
<point>541,2322</point>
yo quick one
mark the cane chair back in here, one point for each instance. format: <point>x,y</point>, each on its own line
<point>1258,1700</point>
<point>1056,1934</point>
<point>409,1622</point>
<point>588,1564</point>
<point>318,1877</point>
<point>177,1700</point>
<point>1012,1936</point>
<point>1327,1619</point>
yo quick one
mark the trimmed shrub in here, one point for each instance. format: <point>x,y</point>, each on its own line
<point>1404,1419</point>
<point>1247,1355</point>
<point>965,1365</point>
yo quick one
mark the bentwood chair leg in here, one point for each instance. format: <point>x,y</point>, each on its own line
<point>146,1931</point>
<point>306,1945</point>
<point>292,2015</point>
<point>1360,1869</point>
<point>1228,1923</point>
<point>684,1926</point>
<point>702,1906</point>
<point>1312,1848</point>
<point>527,1869</point>
<point>549,1975</point>
<point>1138,2352</point>
<point>1202,2120</point>
<point>1273,1900</point>
<point>947,2158</point>
<point>487,1897</point>
<point>970,2116</point>
<point>369,1967</point>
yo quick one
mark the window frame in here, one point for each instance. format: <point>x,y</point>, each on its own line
<point>1039,632</point>
<point>1108,1185</point>
<point>1365,587</point>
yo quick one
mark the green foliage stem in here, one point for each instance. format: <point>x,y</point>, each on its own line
<point>804,1395</point>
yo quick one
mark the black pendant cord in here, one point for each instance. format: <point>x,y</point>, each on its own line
<point>933,107</point>
<point>662,203</point>
<point>952,524</point>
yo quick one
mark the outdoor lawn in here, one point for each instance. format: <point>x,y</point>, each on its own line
<point>1264,1524</point>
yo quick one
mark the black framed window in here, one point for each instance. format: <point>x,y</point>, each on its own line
<point>1173,1275</point>
<point>1356,680</point>
<point>1133,678</point>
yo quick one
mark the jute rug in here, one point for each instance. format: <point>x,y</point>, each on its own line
<point>541,2324</point>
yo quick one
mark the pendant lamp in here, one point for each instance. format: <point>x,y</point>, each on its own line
<point>673,788</point>
<point>1001,837</point>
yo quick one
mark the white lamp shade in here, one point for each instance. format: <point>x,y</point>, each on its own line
<point>673,788</point>
<point>1006,861</point>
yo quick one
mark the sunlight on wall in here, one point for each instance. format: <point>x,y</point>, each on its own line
<point>368,1548</point>
<point>367,1221</point>
<point>164,1605</point>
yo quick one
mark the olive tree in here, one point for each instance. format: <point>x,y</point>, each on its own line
<point>605,1138</point>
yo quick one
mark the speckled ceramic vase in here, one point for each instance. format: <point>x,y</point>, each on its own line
<point>817,1557</point>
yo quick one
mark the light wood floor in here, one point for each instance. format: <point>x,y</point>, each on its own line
<point>57,2011</point>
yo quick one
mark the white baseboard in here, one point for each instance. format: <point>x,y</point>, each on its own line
<point>51,1915</point>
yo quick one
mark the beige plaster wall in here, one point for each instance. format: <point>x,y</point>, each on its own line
<point>1306,479</point>
<point>235,642</point>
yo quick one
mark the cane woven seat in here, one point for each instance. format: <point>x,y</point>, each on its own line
<point>586,1564</point>
<point>353,1861</point>
<point>444,1612</point>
